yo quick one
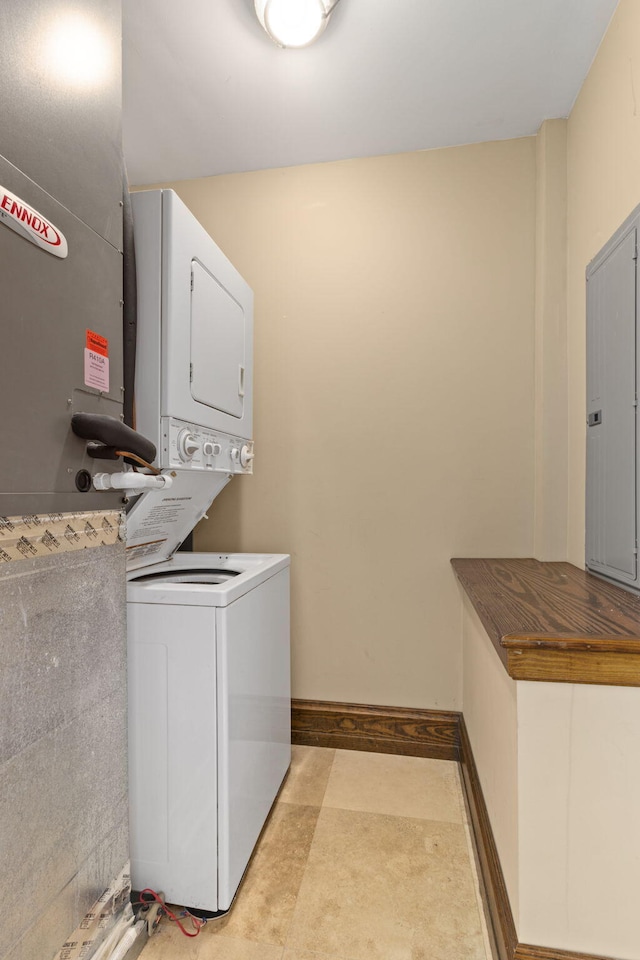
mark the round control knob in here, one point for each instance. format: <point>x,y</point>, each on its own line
<point>246,456</point>
<point>187,445</point>
<point>209,448</point>
<point>235,453</point>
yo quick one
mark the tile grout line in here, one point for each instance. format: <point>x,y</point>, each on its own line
<point>461,822</point>
<point>306,865</point>
<point>367,813</point>
<point>459,819</point>
<point>326,786</point>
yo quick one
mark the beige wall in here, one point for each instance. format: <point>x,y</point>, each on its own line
<point>603,188</point>
<point>551,430</point>
<point>393,400</point>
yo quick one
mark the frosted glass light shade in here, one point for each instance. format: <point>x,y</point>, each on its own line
<point>293,23</point>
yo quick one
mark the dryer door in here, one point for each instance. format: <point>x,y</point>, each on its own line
<point>217,344</point>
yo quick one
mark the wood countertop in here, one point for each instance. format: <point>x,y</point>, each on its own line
<point>555,622</point>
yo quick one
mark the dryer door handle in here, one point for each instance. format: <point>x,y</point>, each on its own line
<point>241,381</point>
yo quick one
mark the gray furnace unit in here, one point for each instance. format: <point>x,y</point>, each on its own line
<point>612,405</point>
<point>61,179</point>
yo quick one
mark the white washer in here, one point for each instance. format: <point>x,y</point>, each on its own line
<point>209,718</point>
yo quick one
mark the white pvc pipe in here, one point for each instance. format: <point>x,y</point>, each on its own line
<point>131,481</point>
<point>127,941</point>
<point>113,938</point>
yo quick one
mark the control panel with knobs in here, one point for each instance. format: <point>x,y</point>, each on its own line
<point>246,456</point>
<point>242,455</point>
<point>187,445</point>
<point>211,449</point>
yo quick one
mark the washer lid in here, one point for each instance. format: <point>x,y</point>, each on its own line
<point>160,520</point>
<point>237,574</point>
<point>188,576</point>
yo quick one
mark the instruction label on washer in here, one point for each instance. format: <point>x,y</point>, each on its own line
<point>160,520</point>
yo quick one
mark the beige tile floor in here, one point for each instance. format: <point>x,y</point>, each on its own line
<point>365,856</point>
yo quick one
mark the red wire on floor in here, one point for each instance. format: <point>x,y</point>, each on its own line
<point>198,924</point>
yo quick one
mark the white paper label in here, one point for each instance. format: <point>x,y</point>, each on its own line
<point>96,370</point>
<point>160,520</point>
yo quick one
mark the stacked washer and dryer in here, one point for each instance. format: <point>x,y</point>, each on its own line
<point>209,653</point>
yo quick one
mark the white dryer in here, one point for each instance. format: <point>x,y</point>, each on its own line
<point>194,355</point>
<point>209,718</point>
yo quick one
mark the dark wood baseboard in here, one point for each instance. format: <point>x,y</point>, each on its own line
<point>494,890</point>
<point>443,736</point>
<point>525,951</point>
<point>353,726</point>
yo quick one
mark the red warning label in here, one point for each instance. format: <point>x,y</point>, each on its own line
<point>97,343</point>
<point>96,362</point>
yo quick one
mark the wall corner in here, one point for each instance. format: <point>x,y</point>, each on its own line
<point>551,397</point>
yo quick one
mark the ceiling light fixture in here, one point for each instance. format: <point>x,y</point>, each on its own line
<point>294,23</point>
<point>77,53</point>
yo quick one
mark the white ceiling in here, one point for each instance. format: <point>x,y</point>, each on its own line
<point>207,92</point>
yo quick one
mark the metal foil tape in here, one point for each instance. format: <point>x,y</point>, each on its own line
<point>48,534</point>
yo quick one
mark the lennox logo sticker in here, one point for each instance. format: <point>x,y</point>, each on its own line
<point>31,225</point>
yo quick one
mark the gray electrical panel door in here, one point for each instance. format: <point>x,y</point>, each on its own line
<point>612,439</point>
